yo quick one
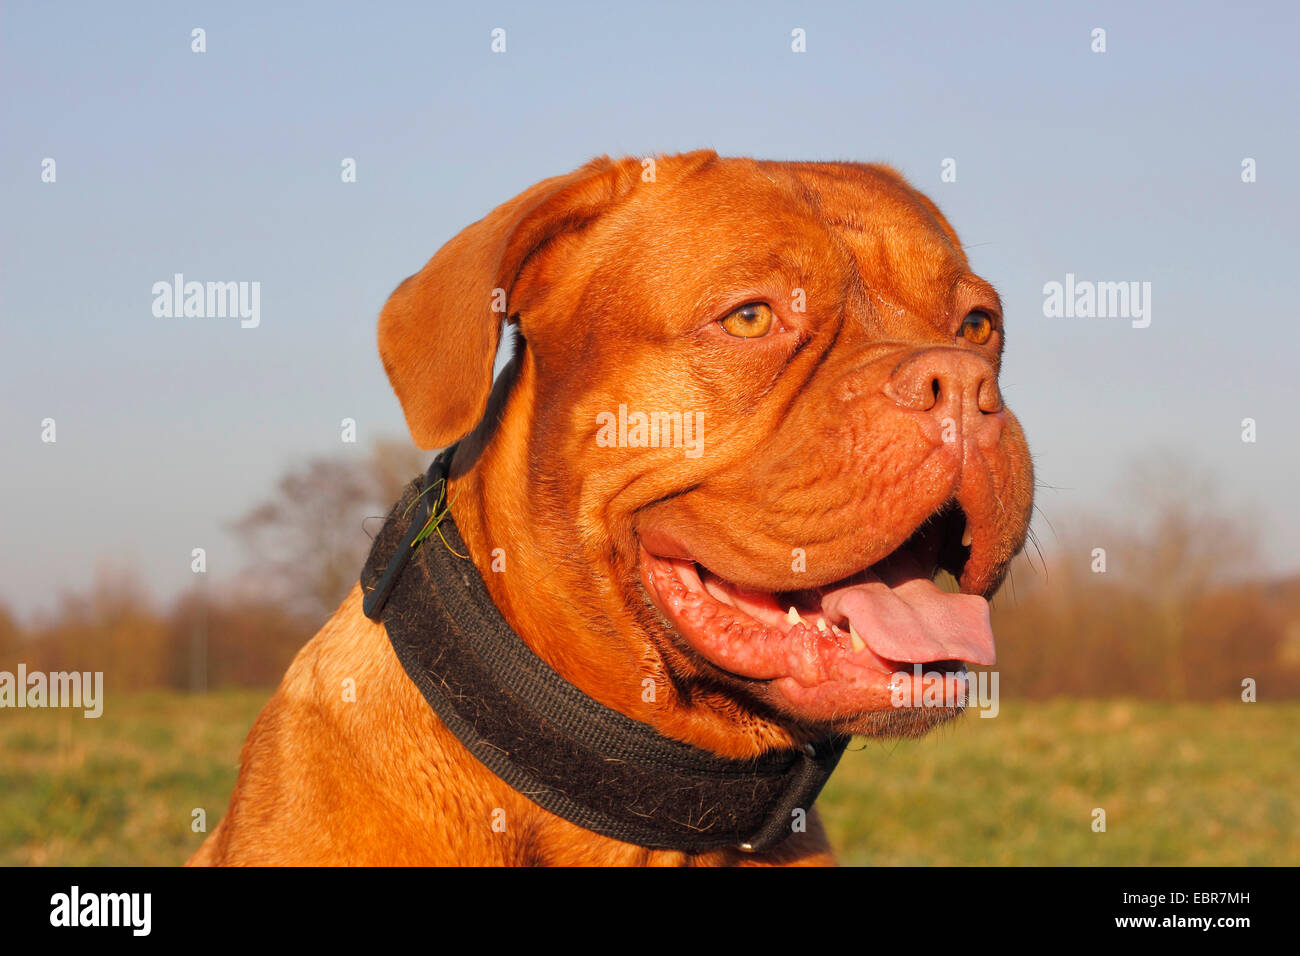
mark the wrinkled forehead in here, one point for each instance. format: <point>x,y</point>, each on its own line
<point>737,224</point>
<point>878,214</point>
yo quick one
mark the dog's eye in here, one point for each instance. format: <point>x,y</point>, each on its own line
<point>750,321</point>
<point>977,327</point>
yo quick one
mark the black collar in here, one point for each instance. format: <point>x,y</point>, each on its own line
<point>569,754</point>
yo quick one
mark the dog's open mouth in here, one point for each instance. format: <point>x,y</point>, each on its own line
<point>844,649</point>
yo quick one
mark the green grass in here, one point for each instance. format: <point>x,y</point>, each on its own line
<point>1180,784</point>
<point>120,789</point>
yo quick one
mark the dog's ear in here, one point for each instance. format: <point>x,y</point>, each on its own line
<point>439,330</point>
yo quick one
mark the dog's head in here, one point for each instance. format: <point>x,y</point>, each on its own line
<point>754,411</point>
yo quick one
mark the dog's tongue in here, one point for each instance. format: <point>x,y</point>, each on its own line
<point>902,616</point>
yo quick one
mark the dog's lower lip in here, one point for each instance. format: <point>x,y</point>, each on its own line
<point>804,643</point>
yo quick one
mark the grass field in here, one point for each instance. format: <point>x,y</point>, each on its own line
<point>1180,784</point>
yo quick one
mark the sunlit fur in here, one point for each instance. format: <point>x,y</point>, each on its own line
<point>616,285</point>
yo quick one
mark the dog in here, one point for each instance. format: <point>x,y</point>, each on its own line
<point>752,410</point>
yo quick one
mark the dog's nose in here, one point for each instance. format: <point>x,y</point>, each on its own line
<point>949,383</point>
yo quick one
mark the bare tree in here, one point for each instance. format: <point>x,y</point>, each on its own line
<point>307,541</point>
<point>1181,540</point>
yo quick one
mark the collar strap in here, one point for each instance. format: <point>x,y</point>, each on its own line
<point>568,753</point>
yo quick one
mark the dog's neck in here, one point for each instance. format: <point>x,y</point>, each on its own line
<point>532,570</point>
<point>585,762</point>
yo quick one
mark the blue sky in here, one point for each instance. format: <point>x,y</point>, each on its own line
<point>1122,166</point>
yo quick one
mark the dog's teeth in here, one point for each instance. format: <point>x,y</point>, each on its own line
<point>821,625</point>
<point>793,616</point>
<point>858,643</point>
<point>966,539</point>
